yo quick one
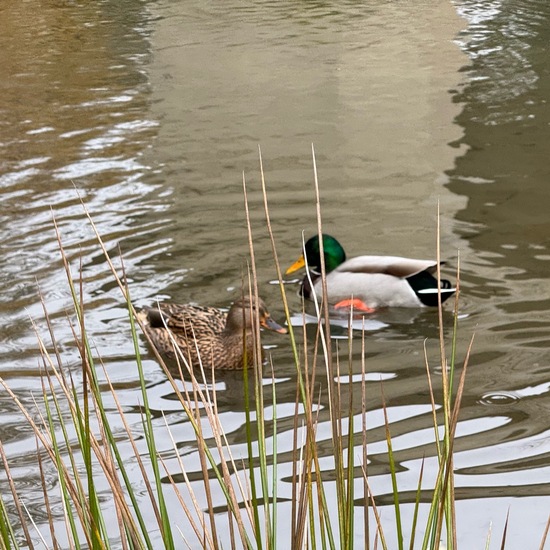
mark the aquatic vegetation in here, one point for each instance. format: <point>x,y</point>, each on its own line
<point>84,434</point>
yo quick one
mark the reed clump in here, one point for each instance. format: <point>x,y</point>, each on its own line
<point>83,433</point>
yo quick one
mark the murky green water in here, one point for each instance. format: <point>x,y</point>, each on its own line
<point>153,111</point>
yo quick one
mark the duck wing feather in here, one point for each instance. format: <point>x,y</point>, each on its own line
<point>395,266</point>
<point>182,318</point>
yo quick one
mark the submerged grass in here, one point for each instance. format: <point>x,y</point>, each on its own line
<point>75,436</point>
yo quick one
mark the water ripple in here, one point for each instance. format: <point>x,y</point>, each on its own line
<point>498,398</point>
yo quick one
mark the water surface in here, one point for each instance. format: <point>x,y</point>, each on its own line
<point>153,111</point>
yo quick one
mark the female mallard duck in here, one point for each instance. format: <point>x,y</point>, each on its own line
<point>369,282</point>
<point>208,335</point>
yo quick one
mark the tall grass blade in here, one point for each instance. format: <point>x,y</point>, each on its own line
<point>42,539</point>
<point>366,523</point>
<point>165,524</point>
<point>259,400</point>
<point>8,535</point>
<point>350,466</point>
<point>45,494</point>
<point>505,531</point>
<point>311,454</point>
<point>489,533</point>
<point>447,395</point>
<point>417,505</point>
<point>546,529</point>
<point>379,535</point>
<point>393,473</point>
<point>200,530</point>
<point>274,516</point>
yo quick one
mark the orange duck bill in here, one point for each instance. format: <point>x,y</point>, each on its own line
<point>298,264</point>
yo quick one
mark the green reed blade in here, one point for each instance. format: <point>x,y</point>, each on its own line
<point>393,474</point>
<point>6,529</point>
<point>7,534</point>
<point>249,436</point>
<point>417,505</point>
<point>273,526</point>
<point>167,535</point>
<point>71,492</point>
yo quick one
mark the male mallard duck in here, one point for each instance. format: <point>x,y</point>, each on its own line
<point>213,335</point>
<point>369,282</point>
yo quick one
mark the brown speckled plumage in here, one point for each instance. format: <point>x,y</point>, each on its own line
<point>207,334</point>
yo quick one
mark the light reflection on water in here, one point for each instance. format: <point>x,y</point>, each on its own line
<point>153,111</point>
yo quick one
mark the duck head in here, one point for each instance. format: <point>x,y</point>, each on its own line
<point>243,311</point>
<point>333,252</point>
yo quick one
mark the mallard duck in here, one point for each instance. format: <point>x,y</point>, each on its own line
<point>369,282</point>
<point>207,334</point>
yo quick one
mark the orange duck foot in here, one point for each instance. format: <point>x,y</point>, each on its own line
<point>356,304</point>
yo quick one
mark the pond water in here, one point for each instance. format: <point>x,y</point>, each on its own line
<point>152,111</point>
